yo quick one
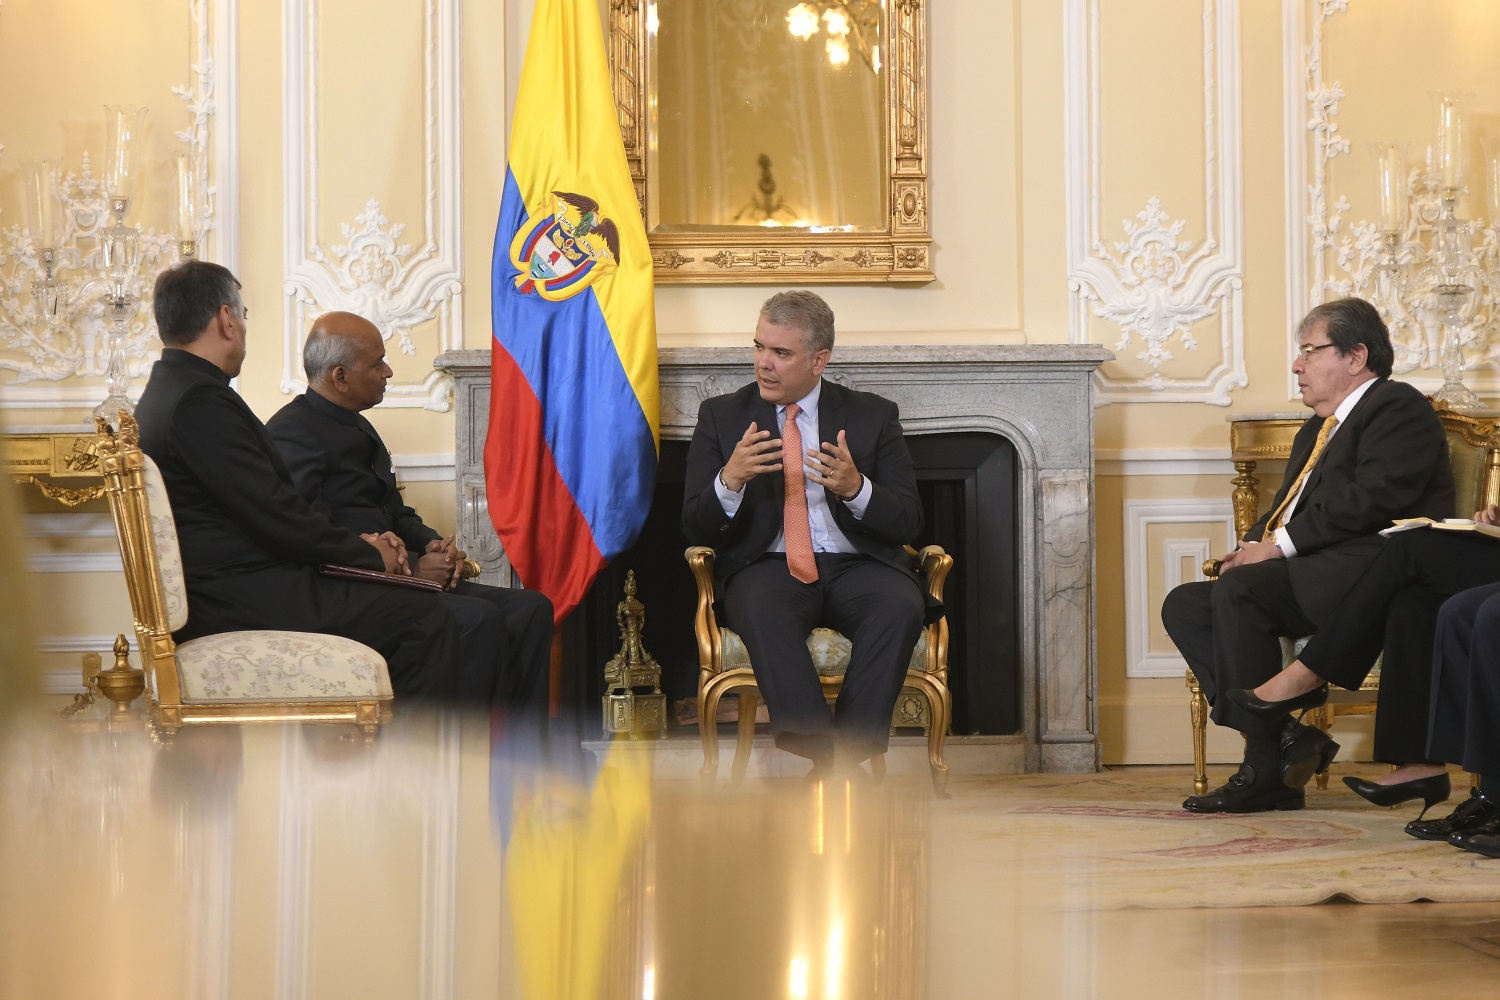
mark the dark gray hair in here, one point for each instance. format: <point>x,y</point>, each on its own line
<point>325,351</point>
<point>187,297</point>
<point>806,311</point>
<point>1352,322</point>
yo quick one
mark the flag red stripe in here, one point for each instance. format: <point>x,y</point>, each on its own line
<point>544,533</point>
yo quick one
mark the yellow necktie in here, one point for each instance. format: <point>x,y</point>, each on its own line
<point>1279,517</point>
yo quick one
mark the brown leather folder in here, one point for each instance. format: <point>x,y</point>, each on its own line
<point>379,576</point>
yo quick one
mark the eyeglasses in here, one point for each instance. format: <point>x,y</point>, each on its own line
<point>1306,351</point>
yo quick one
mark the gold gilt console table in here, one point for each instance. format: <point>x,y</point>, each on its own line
<point>62,464</point>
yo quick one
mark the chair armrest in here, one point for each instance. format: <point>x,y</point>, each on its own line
<point>935,565</point>
<point>700,559</point>
<point>471,569</point>
<point>1212,568</point>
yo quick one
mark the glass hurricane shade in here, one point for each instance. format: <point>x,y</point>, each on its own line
<point>1391,184</point>
<point>1452,147</point>
<point>123,127</point>
<point>43,211</point>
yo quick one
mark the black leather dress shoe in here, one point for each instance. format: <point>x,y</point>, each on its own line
<point>1305,751</point>
<point>1486,843</point>
<point>1245,793</point>
<point>1430,790</point>
<point>1246,699</point>
<point>1472,813</point>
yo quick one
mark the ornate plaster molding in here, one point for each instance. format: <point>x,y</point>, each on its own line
<point>1155,284</point>
<point>45,360</point>
<point>1331,256</point>
<point>398,286</point>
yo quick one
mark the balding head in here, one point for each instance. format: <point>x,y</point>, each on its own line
<point>344,358</point>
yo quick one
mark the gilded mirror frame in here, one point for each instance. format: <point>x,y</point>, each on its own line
<point>898,253</point>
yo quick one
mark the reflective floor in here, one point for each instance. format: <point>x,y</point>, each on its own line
<point>450,858</point>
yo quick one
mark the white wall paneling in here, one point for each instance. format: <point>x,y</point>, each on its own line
<point>396,286</point>
<point>1157,284</point>
<point>1142,606</point>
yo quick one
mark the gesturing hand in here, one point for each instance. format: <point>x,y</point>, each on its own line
<point>755,454</point>
<point>834,468</point>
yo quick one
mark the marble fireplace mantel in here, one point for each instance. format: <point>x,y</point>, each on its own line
<point>1039,397</point>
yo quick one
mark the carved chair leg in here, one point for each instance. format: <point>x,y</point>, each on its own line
<point>1322,718</point>
<point>942,718</point>
<point>744,734</point>
<point>1198,710</point>
<point>708,733</point>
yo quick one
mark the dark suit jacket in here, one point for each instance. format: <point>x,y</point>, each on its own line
<point>892,520</point>
<point>1388,460</point>
<point>238,515</point>
<point>342,468</point>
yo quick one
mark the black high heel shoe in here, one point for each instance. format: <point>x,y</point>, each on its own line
<point>1431,790</point>
<point>1246,699</point>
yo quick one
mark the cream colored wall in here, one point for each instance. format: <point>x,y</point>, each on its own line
<point>1040,110</point>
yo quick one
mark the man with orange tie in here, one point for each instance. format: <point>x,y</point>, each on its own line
<point>1372,451</point>
<point>805,489</point>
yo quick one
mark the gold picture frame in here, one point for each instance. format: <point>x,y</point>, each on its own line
<point>898,253</point>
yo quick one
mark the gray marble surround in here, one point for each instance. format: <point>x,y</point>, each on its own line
<point>1039,397</point>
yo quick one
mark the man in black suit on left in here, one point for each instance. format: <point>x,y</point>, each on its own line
<point>250,544</point>
<point>343,469</point>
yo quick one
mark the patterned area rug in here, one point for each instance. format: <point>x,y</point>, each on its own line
<point>1121,838</point>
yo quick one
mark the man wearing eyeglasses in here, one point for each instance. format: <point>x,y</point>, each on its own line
<point>1373,450</point>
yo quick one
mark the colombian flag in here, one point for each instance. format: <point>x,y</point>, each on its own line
<point>570,457</point>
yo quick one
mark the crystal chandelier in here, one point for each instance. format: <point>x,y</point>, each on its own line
<point>841,20</point>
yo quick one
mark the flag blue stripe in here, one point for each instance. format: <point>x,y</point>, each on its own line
<point>591,416</point>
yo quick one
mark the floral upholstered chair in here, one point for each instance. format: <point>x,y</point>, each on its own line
<point>259,676</point>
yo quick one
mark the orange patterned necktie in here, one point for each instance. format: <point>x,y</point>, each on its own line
<point>799,549</point>
<point>1277,519</point>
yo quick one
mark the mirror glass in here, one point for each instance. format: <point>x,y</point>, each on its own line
<point>768,113</point>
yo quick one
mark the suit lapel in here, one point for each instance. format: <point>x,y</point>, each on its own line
<point>1341,441</point>
<point>764,416</point>
<point>832,418</point>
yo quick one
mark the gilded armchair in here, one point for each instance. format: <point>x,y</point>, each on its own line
<point>724,668</point>
<point>233,677</point>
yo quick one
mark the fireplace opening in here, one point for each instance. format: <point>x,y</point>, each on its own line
<point>967,483</point>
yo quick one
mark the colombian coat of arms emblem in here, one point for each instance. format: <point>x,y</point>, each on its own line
<point>562,252</point>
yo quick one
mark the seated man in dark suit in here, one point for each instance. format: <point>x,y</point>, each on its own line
<point>250,544</point>
<point>1373,450</point>
<point>806,491</point>
<point>343,470</point>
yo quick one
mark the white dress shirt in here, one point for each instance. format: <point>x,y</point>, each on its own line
<point>826,536</point>
<point>1282,539</point>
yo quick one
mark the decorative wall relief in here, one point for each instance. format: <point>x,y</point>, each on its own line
<point>1330,254</point>
<point>45,357</point>
<point>397,285</point>
<point>1155,284</point>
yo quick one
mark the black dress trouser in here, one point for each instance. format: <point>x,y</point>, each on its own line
<point>1229,631</point>
<point>1393,608</point>
<point>877,607</point>
<point>1465,720</point>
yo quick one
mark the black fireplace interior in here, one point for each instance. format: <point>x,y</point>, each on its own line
<point>968,487</point>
